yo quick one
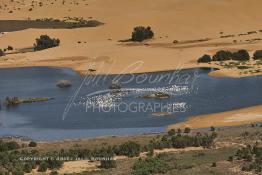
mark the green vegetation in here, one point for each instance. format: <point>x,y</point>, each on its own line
<point>252,155</point>
<point>187,130</point>
<point>177,140</point>
<point>204,161</point>
<point>10,48</point>
<point>42,167</point>
<point>257,55</point>
<point>130,149</point>
<point>7,146</point>
<point>241,55</point>
<point>204,59</point>
<point>45,42</point>
<point>141,33</point>
<point>222,55</point>
<point>13,101</point>
<point>150,165</point>
<point>32,144</point>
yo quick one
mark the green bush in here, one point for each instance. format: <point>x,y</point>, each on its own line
<point>187,130</point>
<point>32,144</point>
<point>10,48</point>
<point>130,149</point>
<point>141,33</point>
<point>12,145</point>
<point>28,168</point>
<point>214,164</point>
<point>222,55</point>
<point>241,55</point>
<point>42,167</point>
<point>45,42</point>
<point>151,165</point>
<point>107,164</point>
<point>257,55</point>
<point>204,59</point>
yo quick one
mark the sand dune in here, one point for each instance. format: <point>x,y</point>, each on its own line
<point>171,20</point>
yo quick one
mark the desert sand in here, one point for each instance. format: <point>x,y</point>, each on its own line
<point>197,25</point>
<point>229,118</point>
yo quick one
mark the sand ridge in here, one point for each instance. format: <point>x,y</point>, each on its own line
<point>197,24</point>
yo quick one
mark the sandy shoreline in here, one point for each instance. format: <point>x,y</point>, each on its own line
<point>229,118</point>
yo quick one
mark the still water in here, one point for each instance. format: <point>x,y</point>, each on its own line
<point>90,109</point>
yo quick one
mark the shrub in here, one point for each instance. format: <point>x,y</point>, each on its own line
<point>230,158</point>
<point>151,165</point>
<point>241,55</point>
<point>27,168</point>
<point>32,144</point>
<point>257,55</point>
<point>222,55</point>
<point>107,164</point>
<point>204,59</point>
<point>10,48</point>
<point>171,132</point>
<point>45,42</point>
<point>212,128</point>
<point>214,164</point>
<point>130,149</point>
<point>42,167</point>
<point>53,164</point>
<point>187,130</point>
<point>12,145</point>
<point>141,33</point>
<point>1,53</point>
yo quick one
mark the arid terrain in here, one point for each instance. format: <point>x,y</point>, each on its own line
<point>184,31</point>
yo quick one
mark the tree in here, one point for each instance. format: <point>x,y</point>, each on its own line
<point>141,33</point>
<point>130,149</point>
<point>32,144</point>
<point>212,128</point>
<point>204,59</point>
<point>187,130</point>
<point>171,132</point>
<point>222,55</point>
<point>257,55</point>
<point>241,55</point>
<point>45,42</point>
